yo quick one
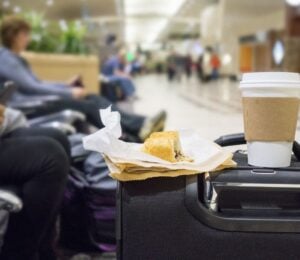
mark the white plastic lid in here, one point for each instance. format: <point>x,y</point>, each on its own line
<point>271,79</point>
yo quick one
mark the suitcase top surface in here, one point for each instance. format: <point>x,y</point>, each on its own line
<point>245,173</point>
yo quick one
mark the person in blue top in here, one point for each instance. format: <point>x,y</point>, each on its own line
<point>113,69</point>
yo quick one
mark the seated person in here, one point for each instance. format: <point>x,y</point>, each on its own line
<point>113,70</point>
<point>38,166</point>
<point>15,34</point>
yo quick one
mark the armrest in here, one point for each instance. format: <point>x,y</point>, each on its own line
<point>9,200</point>
<point>65,128</point>
<point>71,116</point>
<point>47,99</point>
<point>66,116</point>
<point>27,107</point>
<point>33,101</point>
<point>30,104</point>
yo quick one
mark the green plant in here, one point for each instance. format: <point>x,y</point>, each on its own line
<point>43,39</point>
<point>72,38</point>
<point>51,37</point>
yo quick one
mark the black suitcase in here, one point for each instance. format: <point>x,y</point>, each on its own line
<point>240,213</point>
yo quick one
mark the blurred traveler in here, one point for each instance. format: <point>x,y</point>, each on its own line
<point>180,66</point>
<point>114,69</point>
<point>137,67</point>
<point>38,166</point>
<point>215,65</point>
<point>171,65</point>
<point>199,66</point>
<point>188,66</point>
<point>15,33</point>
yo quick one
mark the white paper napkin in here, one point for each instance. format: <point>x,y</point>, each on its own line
<point>206,154</point>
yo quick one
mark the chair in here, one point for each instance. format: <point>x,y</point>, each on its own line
<point>64,120</point>
<point>9,203</point>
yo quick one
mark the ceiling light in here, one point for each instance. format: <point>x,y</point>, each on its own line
<point>6,4</point>
<point>144,30</point>
<point>17,9</point>
<point>151,46</point>
<point>49,2</point>
<point>158,7</point>
<point>293,2</point>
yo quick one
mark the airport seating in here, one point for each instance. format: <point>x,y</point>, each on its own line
<point>64,120</point>
<point>9,203</point>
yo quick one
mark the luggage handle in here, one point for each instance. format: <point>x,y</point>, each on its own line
<point>239,139</point>
<point>219,221</point>
<point>231,140</point>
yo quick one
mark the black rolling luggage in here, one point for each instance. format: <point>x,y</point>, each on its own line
<point>240,213</point>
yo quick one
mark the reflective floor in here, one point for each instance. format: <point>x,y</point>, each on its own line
<point>213,109</point>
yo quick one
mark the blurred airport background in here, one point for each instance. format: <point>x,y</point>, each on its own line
<point>184,56</point>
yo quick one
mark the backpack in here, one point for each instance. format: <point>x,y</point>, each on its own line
<point>88,211</point>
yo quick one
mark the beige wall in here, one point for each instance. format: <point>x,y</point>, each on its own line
<point>228,20</point>
<point>61,67</point>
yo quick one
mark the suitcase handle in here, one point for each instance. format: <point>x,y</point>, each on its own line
<point>239,138</point>
<point>286,224</point>
<point>230,140</point>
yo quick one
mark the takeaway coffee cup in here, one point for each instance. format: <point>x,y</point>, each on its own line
<point>270,108</point>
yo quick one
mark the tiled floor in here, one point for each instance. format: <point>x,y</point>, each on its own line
<point>213,108</point>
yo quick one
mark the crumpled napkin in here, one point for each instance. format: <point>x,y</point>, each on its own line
<point>127,161</point>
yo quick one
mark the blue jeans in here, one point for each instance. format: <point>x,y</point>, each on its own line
<point>126,84</point>
<point>215,74</point>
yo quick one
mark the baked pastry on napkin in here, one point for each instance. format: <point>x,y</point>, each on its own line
<point>160,156</point>
<point>166,146</point>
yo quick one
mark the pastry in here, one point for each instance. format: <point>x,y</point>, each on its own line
<point>165,145</point>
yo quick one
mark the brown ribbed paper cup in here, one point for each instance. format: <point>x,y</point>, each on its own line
<point>270,111</point>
